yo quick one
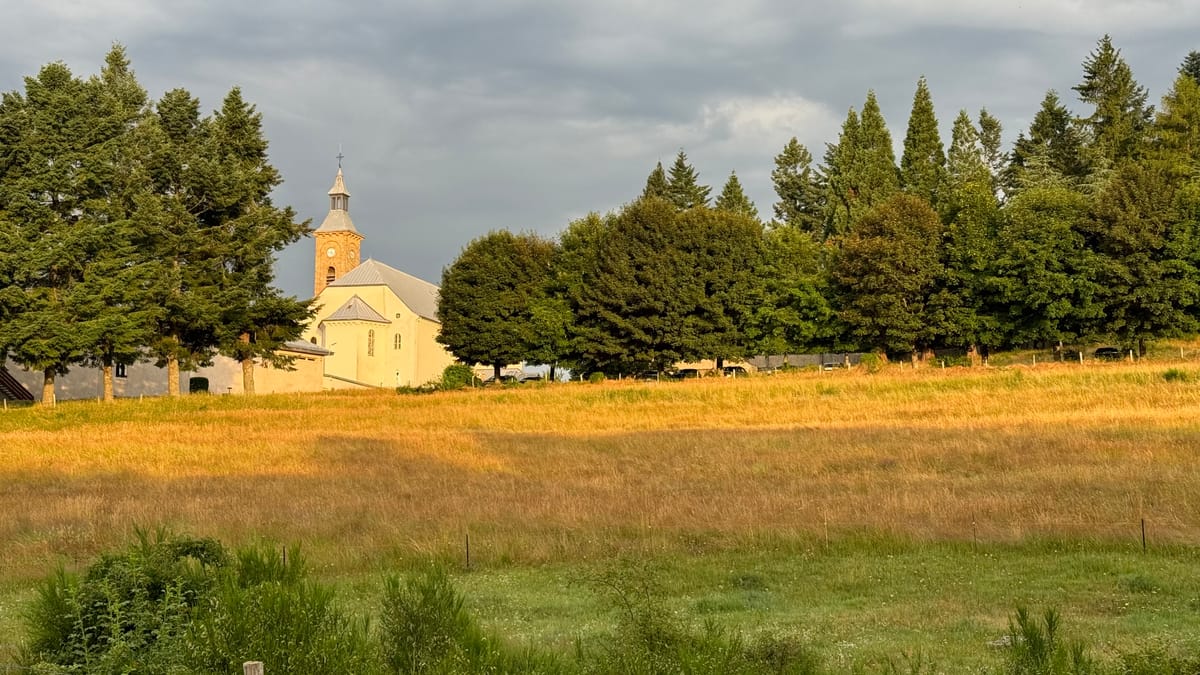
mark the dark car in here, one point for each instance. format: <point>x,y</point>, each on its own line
<point>1108,354</point>
<point>734,371</point>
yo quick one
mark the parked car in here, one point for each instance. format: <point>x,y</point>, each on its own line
<point>734,371</point>
<point>1109,354</point>
<point>684,374</point>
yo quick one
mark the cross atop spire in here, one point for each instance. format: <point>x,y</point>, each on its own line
<point>340,155</point>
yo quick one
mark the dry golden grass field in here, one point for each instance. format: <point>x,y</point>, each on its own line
<point>570,473</point>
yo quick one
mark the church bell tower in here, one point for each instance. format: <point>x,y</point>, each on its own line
<point>337,241</point>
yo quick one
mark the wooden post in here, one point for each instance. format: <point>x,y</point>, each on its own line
<point>468,550</point>
<point>1081,357</point>
<point>1143,535</point>
<point>252,668</point>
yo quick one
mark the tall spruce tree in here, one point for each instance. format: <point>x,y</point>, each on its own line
<point>186,175</point>
<point>990,131</point>
<point>683,187</point>
<point>799,188</point>
<point>734,200</point>
<point>874,158</point>
<point>1053,138</point>
<point>1120,116</point>
<point>656,183</point>
<point>1191,66</point>
<point>1175,142</point>
<point>256,318</point>
<point>840,168</point>
<point>45,187</point>
<point>922,166</point>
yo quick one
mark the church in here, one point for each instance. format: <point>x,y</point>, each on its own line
<point>377,324</point>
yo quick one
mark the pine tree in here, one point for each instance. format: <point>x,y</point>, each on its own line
<point>990,131</point>
<point>875,159</point>
<point>1175,145</point>
<point>256,319</point>
<point>656,183</point>
<point>1055,140</point>
<point>1120,117</point>
<point>840,166</point>
<point>801,202</point>
<point>734,200</point>
<point>922,166</point>
<point>1191,66</point>
<point>683,187</point>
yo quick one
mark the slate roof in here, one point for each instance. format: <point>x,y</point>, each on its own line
<point>305,347</point>
<point>419,295</point>
<point>356,309</point>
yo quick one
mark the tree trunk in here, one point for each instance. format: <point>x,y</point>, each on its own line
<point>552,369</point>
<point>1141,346</point>
<point>247,368</point>
<point>914,357</point>
<point>108,383</point>
<point>248,377</point>
<point>48,387</point>
<point>496,373</point>
<point>973,355</point>
<point>173,375</point>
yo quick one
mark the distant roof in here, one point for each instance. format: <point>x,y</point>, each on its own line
<point>306,347</point>
<point>356,309</point>
<point>419,295</point>
<point>339,186</point>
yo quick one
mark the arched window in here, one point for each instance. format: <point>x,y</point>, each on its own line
<point>330,275</point>
<point>396,342</point>
<point>371,342</point>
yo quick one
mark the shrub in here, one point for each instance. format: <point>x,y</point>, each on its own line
<point>1037,648</point>
<point>871,362</point>
<point>457,376</point>
<point>596,378</point>
<point>426,630</point>
<point>1176,375</point>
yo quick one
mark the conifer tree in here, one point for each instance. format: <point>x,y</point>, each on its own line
<point>1120,116</point>
<point>840,165</point>
<point>990,131</point>
<point>734,200</point>
<point>1175,145</point>
<point>683,187</point>
<point>922,166</point>
<point>656,183</point>
<point>798,185</point>
<point>1056,142</point>
<point>1191,66</point>
<point>256,319</point>
<point>875,160</point>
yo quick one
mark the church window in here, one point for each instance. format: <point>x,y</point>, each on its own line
<point>330,275</point>
<point>119,370</point>
<point>371,342</point>
<point>313,339</point>
<point>396,342</point>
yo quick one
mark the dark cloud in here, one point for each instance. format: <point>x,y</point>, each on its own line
<point>458,117</point>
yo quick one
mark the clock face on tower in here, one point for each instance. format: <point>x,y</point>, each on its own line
<point>331,252</point>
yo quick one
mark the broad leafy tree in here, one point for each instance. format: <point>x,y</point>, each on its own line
<point>488,295</point>
<point>885,274</point>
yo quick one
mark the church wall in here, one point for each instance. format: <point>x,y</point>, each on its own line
<point>431,367</point>
<point>225,376</point>
<point>142,379</point>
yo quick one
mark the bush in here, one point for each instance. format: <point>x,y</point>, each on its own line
<point>596,378</point>
<point>1176,375</point>
<point>426,630</point>
<point>870,362</point>
<point>457,376</point>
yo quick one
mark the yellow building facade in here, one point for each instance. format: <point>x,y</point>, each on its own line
<point>380,324</point>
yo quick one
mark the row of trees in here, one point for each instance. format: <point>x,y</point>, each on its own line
<point>1086,229</point>
<point>134,230</point>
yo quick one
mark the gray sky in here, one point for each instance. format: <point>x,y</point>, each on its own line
<point>462,116</point>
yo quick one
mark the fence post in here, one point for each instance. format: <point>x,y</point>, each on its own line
<point>252,668</point>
